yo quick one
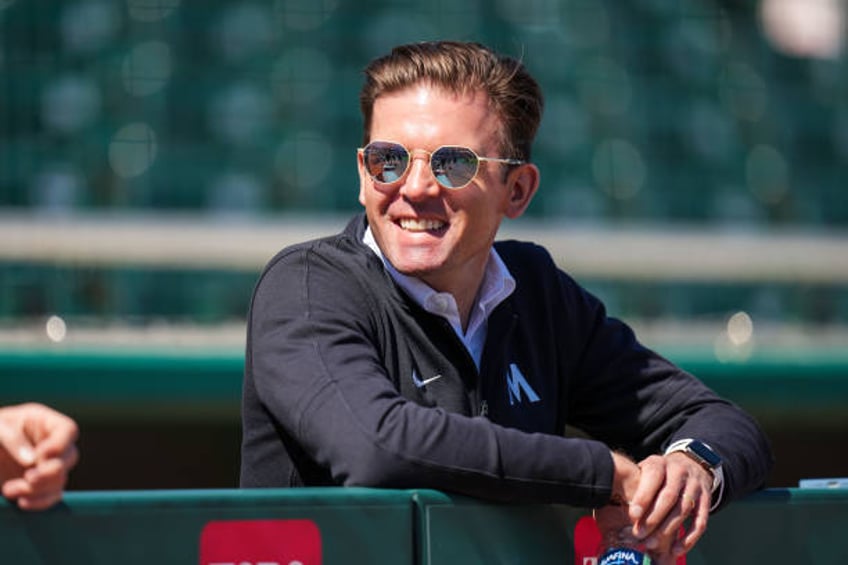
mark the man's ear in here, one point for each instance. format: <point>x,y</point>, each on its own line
<point>360,166</point>
<point>522,183</point>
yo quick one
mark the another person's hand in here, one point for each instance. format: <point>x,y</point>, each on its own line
<point>37,451</point>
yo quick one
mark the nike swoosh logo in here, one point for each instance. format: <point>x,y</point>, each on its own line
<point>419,383</point>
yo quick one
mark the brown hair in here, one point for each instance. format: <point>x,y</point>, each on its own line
<point>461,68</point>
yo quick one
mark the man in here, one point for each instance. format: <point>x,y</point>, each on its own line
<point>410,351</point>
<point>37,451</point>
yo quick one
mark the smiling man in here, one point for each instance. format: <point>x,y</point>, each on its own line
<point>441,236</point>
<point>413,351</point>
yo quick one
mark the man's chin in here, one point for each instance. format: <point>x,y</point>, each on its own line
<point>415,270</point>
<point>419,266</point>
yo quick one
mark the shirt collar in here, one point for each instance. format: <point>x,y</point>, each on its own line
<point>498,283</point>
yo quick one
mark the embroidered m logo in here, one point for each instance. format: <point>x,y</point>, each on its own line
<point>516,383</point>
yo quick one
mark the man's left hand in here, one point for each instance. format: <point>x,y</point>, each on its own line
<point>674,491</point>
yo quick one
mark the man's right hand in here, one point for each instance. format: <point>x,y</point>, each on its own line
<point>615,521</point>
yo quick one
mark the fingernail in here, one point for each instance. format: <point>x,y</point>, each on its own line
<point>26,455</point>
<point>636,511</point>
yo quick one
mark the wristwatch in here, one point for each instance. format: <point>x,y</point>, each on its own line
<point>702,454</point>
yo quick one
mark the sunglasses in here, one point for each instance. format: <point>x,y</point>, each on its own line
<point>453,166</point>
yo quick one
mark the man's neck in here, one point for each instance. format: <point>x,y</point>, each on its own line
<point>491,284</point>
<point>464,290</point>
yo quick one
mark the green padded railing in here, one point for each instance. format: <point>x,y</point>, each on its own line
<point>353,526</point>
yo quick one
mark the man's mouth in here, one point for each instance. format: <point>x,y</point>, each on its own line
<point>421,225</point>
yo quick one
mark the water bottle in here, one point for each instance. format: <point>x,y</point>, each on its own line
<point>624,556</point>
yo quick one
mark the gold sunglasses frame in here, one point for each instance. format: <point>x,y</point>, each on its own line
<point>501,160</point>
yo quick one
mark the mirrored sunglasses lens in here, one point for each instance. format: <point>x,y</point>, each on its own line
<point>454,167</point>
<point>385,162</point>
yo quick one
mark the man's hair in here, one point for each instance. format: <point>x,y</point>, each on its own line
<point>461,68</point>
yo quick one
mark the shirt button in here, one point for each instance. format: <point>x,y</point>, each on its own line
<point>440,303</point>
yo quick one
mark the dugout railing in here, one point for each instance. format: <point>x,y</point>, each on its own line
<point>352,526</point>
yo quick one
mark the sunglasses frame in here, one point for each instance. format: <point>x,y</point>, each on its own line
<point>502,160</point>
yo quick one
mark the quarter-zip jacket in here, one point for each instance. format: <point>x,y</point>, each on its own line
<point>349,382</point>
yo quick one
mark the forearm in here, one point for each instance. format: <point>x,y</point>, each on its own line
<point>659,403</point>
<point>389,442</point>
<point>739,441</point>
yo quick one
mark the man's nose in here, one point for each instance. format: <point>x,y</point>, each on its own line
<point>420,183</point>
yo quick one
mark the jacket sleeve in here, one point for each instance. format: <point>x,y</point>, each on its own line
<point>314,362</point>
<point>635,400</point>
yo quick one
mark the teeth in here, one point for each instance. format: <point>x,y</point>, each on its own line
<point>421,225</point>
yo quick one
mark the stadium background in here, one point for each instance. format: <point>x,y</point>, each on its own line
<point>154,153</point>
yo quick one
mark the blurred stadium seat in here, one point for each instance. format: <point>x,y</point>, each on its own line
<point>261,88</point>
<point>657,114</point>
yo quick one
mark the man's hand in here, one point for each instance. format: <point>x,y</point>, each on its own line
<point>37,450</point>
<point>673,489</point>
<point>614,521</point>
<point>670,491</point>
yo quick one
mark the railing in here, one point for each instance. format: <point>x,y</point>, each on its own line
<point>350,526</point>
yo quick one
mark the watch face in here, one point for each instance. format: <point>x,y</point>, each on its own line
<point>705,453</point>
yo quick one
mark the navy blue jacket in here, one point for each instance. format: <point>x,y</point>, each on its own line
<point>349,382</point>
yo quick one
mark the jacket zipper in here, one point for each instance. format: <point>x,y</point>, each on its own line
<point>508,330</point>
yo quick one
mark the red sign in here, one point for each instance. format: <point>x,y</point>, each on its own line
<point>260,542</point>
<point>587,543</point>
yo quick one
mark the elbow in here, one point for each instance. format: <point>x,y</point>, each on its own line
<point>375,468</point>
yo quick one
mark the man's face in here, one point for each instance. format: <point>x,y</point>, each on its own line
<point>440,235</point>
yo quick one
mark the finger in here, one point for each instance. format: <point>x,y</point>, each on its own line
<point>15,444</point>
<point>664,504</point>
<point>698,527</point>
<point>66,460</point>
<point>15,488</point>
<point>70,457</point>
<point>48,476</point>
<point>651,480</point>
<point>666,534</point>
<point>40,486</point>
<point>41,502</point>
<point>54,434</point>
<point>688,501</point>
